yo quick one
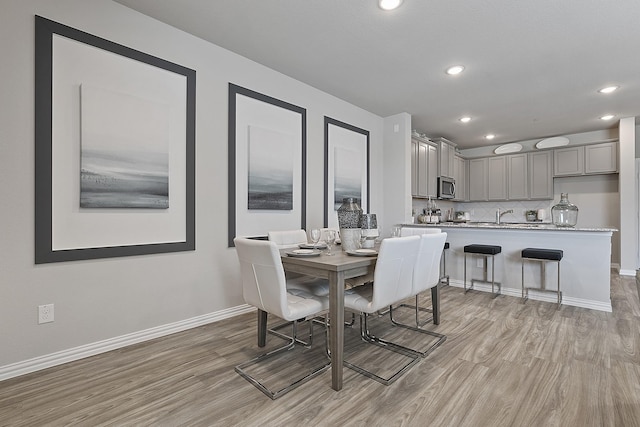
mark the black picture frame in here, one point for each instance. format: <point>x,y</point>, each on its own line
<point>233,164</point>
<point>328,195</point>
<point>45,30</point>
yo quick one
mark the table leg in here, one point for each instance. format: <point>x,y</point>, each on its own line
<point>336,321</point>
<point>435,303</point>
<point>262,328</point>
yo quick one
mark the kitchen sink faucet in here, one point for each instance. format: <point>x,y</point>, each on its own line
<point>499,214</point>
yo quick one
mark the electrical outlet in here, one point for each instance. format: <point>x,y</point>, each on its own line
<point>479,262</point>
<point>45,313</point>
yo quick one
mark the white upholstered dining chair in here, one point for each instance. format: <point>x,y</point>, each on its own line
<point>392,283</point>
<point>264,286</point>
<point>426,275</point>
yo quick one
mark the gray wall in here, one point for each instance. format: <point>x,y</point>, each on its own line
<point>102,299</point>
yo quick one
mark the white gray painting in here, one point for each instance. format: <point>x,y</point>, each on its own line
<point>270,170</point>
<point>124,151</point>
<point>348,170</point>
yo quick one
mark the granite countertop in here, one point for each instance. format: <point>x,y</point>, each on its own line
<point>545,226</point>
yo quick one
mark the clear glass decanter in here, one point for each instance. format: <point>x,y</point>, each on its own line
<point>564,214</point>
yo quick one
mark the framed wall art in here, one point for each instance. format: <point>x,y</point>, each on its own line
<point>267,167</point>
<point>115,149</point>
<point>346,171</point>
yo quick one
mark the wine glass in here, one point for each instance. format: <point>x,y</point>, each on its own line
<point>395,231</point>
<point>330,237</point>
<point>315,237</point>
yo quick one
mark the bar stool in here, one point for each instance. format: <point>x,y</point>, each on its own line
<point>445,276</point>
<point>543,256</point>
<point>485,251</point>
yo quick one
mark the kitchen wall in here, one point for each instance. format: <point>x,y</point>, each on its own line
<point>98,301</point>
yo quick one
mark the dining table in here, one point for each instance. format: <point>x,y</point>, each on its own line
<point>336,268</point>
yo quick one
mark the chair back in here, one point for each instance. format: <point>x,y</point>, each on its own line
<point>393,274</point>
<point>413,231</point>
<point>427,269</point>
<point>263,280</point>
<point>288,238</point>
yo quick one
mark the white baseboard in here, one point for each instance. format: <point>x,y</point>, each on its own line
<point>627,272</point>
<point>76,353</point>
<point>540,296</point>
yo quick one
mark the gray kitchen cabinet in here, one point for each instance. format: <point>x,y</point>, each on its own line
<point>517,177</point>
<point>601,158</point>
<point>460,175</point>
<point>446,153</point>
<point>424,169</point>
<point>497,178</point>
<point>478,171</point>
<point>586,160</point>
<point>540,175</point>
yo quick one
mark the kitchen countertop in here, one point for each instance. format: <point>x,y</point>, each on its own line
<point>512,226</point>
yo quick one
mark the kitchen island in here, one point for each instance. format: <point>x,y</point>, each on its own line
<point>585,271</point>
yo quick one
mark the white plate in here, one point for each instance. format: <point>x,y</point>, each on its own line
<point>312,246</point>
<point>363,252</point>
<point>303,253</point>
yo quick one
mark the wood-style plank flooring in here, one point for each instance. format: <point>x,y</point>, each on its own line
<point>504,363</point>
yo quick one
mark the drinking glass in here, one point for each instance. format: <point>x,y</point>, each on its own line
<point>395,231</point>
<point>331,239</point>
<point>315,236</point>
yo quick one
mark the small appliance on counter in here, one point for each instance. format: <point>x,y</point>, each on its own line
<point>461,216</point>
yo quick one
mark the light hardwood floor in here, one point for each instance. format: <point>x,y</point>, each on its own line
<point>504,363</point>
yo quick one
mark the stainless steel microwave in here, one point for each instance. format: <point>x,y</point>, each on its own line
<point>446,187</point>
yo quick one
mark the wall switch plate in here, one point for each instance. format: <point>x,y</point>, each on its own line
<point>45,313</point>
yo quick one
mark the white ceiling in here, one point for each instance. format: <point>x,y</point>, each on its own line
<point>533,68</point>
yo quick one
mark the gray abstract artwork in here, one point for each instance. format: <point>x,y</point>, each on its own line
<point>124,151</point>
<point>270,170</point>
<point>348,172</point>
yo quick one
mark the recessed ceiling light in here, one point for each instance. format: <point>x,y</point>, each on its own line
<point>607,117</point>
<point>609,89</point>
<point>389,4</point>
<point>465,119</point>
<point>489,136</point>
<point>456,69</point>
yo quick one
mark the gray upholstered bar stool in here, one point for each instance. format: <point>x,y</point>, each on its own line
<point>486,251</point>
<point>543,256</point>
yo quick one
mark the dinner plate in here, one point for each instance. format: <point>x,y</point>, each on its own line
<point>303,253</point>
<point>363,252</point>
<point>312,246</point>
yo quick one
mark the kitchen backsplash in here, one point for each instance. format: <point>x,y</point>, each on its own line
<point>486,211</point>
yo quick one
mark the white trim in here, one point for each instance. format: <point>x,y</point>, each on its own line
<point>539,296</point>
<point>69,355</point>
<point>627,273</point>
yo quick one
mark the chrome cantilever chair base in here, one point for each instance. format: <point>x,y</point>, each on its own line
<point>367,337</point>
<point>441,338</point>
<point>240,369</point>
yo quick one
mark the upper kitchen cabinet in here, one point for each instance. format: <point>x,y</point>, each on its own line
<point>585,160</point>
<point>446,155</point>
<point>478,171</point>
<point>497,178</point>
<point>517,177</point>
<point>540,176</point>
<point>460,175</point>
<point>424,168</point>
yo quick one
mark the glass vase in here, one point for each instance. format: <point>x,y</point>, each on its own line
<point>565,213</point>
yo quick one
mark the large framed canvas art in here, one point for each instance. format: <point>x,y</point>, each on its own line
<point>115,149</point>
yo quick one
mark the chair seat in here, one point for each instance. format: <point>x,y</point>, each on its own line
<point>359,298</point>
<point>547,254</point>
<point>303,304</point>
<point>311,285</point>
<point>483,249</point>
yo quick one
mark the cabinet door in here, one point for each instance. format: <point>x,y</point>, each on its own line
<point>414,168</point>
<point>601,158</point>
<point>423,165</point>
<point>517,178</point>
<point>459,174</point>
<point>540,176</point>
<point>497,178</point>
<point>445,161</point>
<point>477,190</point>
<point>568,161</point>
<point>432,171</point>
